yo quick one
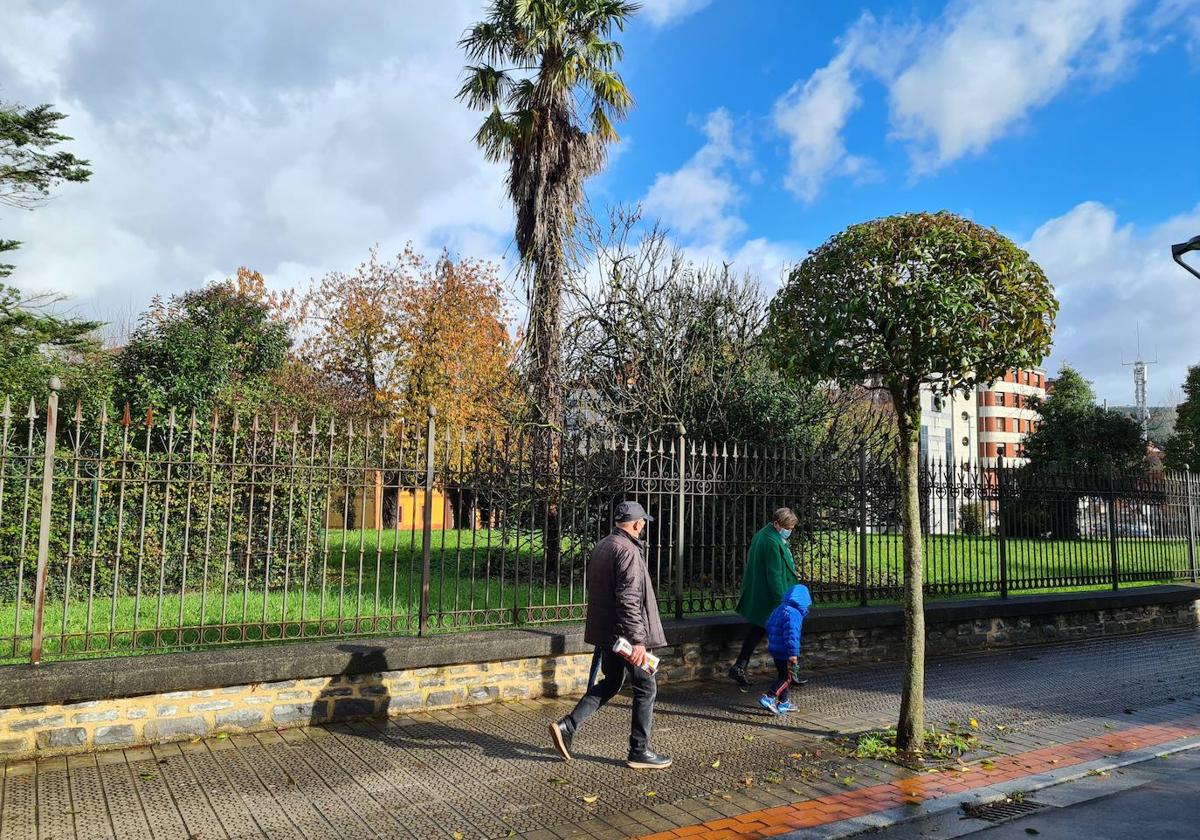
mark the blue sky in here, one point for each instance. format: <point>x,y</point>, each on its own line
<point>284,137</point>
<point>1125,135</point>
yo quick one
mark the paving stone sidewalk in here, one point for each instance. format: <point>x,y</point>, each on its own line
<point>489,771</point>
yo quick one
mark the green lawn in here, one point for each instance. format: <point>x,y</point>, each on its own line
<point>366,583</point>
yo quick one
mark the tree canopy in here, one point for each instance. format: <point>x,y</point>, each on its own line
<point>1183,447</point>
<point>207,347</point>
<point>913,299</point>
<point>408,334</point>
<point>36,343</point>
<point>28,167</point>
<point>654,340</point>
<point>1075,434</point>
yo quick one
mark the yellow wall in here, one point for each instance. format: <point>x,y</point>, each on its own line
<point>367,502</point>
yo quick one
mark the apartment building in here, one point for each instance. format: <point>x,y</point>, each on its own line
<point>949,427</point>
<point>1005,415</point>
<point>981,425</point>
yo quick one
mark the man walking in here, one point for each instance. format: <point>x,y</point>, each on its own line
<point>621,602</point>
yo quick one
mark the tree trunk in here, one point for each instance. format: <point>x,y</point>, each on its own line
<point>910,731</point>
<point>545,333</point>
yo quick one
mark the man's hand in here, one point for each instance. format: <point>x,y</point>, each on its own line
<point>793,661</point>
<point>638,656</point>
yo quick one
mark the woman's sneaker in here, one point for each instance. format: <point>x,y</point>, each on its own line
<point>786,706</point>
<point>768,703</point>
<point>738,675</point>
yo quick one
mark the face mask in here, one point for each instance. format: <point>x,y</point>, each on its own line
<point>785,533</point>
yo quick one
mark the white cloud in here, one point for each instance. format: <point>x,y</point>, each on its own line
<point>1178,18</point>
<point>987,66</point>
<point>257,137</point>
<point>699,200</point>
<point>954,85</point>
<point>699,204</point>
<point>665,12</point>
<point>1110,278</point>
<point>813,114</point>
<point>762,258</point>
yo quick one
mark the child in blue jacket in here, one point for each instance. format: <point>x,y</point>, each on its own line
<point>783,634</point>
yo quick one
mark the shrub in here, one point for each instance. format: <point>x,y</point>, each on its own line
<point>971,520</point>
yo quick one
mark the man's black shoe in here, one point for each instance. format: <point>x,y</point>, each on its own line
<point>561,739</point>
<point>738,675</point>
<point>648,760</point>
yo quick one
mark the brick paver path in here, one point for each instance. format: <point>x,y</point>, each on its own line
<point>489,771</point>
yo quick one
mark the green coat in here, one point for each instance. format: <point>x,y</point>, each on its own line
<point>770,573</point>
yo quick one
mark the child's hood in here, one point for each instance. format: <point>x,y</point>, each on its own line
<point>799,597</point>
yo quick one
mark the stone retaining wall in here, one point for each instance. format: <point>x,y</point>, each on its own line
<point>702,649</point>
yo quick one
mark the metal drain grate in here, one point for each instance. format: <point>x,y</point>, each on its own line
<point>1005,809</point>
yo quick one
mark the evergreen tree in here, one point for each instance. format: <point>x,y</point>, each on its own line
<point>27,168</point>
<point>1183,448</point>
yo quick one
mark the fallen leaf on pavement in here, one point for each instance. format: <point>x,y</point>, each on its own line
<point>716,764</point>
<point>591,798</point>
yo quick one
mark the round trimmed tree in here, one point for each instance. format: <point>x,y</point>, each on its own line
<point>902,302</point>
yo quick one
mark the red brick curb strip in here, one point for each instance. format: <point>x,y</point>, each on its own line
<point>914,791</point>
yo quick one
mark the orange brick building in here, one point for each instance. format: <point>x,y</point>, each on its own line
<point>1005,417</point>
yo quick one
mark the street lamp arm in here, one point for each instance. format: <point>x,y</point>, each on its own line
<point>1177,252</point>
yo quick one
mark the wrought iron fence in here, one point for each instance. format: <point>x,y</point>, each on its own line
<point>129,533</point>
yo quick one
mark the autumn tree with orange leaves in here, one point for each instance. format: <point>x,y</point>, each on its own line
<point>407,334</point>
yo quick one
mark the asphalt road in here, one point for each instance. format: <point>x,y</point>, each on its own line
<point>1156,800</point>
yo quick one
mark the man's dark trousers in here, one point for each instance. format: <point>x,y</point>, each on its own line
<point>616,671</point>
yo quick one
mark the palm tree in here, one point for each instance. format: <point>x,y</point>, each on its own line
<point>544,72</point>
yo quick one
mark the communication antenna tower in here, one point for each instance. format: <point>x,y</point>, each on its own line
<point>1141,383</point>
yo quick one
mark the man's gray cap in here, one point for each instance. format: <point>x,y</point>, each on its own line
<point>631,512</point>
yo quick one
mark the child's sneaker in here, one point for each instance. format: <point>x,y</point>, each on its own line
<point>768,703</point>
<point>785,707</point>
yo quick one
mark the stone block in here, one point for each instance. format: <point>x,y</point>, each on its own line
<point>136,714</point>
<point>211,706</point>
<point>95,717</point>
<point>300,712</point>
<point>443,698</point>
<point>483,693</point>
<point>75,736</point>
<point>337,692</point>
<point>373,691</point>
<point>241,718</point>
<point>401,704</point>
<point>351,708</point>
<point>295,695</point>
<point>36,723</point>
<point>113,736</point>
<point>10,747</point>
<point>187,727</point>
<point>165,710</point>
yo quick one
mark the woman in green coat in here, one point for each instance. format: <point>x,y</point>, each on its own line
<point>770,573</point>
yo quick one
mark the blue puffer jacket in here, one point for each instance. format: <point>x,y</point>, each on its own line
<point>786,622</point>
